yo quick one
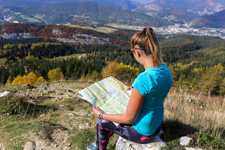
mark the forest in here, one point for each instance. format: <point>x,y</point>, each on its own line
<point>197,63</point>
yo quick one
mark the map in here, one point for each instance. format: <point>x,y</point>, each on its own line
<point>109,94</point>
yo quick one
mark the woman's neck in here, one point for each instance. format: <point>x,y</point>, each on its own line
<point>148,62</point>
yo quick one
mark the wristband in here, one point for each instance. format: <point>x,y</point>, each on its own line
<point>99,115</point>
<point>102,115</point>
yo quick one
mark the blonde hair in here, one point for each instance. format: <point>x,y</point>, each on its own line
<point>148,42</point>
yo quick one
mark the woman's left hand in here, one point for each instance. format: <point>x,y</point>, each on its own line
<point>96,111</point>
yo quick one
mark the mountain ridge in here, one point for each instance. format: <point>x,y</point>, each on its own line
<point>82,12</point>
<point>216,20</point>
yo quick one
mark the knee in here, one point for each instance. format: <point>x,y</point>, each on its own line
<point>105,123</point>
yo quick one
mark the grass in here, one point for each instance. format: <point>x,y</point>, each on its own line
<point>124,26</point>
<point>105,29</point>
<point>204,124</point>
<point>69,122</point>
<point>70,56</point>
<point>32,20</point>
<point>100,29</point>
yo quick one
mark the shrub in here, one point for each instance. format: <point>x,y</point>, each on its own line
<point>55,74</point>
<point>120,71</point>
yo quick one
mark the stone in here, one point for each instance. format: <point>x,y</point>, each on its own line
<point>185,140</point>
<point>5,93</point>
<point>30,146</point>
<point>156,144</point>
<point>189,99</point>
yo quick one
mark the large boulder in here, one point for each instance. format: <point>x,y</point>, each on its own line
<point>156,144</point>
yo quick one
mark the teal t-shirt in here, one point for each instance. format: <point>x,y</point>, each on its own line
<point>154,84</point>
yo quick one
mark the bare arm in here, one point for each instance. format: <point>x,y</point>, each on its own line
<point>132,110</point>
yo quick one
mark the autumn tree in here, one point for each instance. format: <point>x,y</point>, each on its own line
<point>18,80</point>
<point>8,82</point>
<point>55,74</point>
<point>120,71</point>
<point>32,78</point>
<point>211,80</point>
<point>40,79</point>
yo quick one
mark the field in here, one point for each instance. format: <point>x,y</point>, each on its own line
<point>31,20</point>
<point>100,29</point>
<point>56,119</point>
<point>71,56</point>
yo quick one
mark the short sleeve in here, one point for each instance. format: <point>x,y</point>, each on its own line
<point>142,85</point>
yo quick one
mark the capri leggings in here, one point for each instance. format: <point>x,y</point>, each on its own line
<point>105,130</point>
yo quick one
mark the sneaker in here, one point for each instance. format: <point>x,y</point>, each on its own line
<point>93,146</point>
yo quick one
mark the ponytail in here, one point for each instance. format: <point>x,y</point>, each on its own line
<point>147,40</point>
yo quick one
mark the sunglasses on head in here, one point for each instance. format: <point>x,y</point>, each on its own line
<point>132,51</point>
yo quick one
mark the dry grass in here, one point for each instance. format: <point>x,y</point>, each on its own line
<point>72,125</point>
<point>206,112</point>
<point>202,119</point>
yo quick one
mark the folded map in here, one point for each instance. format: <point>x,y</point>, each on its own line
<point>109,94</point>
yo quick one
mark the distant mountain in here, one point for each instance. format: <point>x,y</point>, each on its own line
<point>122,4</point>
<point>78,12</point>
<point>181,10</point>
<point>64,34</point>
<point>196,6</point>
<point>216,20</point>
<point>176,15</point>
<point>143,2</point>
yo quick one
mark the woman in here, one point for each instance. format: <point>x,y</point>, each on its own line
<point>143,118</point>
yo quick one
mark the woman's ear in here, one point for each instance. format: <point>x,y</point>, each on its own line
<point>138,53</point>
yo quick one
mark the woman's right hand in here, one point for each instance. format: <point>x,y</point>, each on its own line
<point>129,88</point>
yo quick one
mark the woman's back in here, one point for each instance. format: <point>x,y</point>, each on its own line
<point>154,84</point>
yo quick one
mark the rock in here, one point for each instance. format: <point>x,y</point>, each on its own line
<point>185,140</point>
<point>5,93</point>
<point>30,146</point>
<point>71,91</point>
<point>156,144</point>
<point>189,99</point>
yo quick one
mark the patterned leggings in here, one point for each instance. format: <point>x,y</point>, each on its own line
<point>105,130</point>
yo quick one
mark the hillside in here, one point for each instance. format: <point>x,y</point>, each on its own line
<point>56,118</point>
<point>200,6</point>
<point>86,13</point>
<point>64,34</point>
<point>122,4</point>
<point>188,48</point>
<point>181,11</point>
<point>176,15</point>
<point>216,20</point>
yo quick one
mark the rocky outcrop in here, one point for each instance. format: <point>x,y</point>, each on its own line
<point>16,35</point>
<point>156,144</point>
<point>85,39</point>
<point>30,146</point>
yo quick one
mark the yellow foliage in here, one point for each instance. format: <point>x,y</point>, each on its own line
<point>8,82</point>
<point>7,46</point>
<point>18,80</point>
<point>25,79</point>
<point>30,57</point>
<point>55,74</point>
<point>120,71</point>
<point>196,70</point>
<point>183,67</point>
<point>95,75</point>
<point>212,79</point>
<point>32,78</point>
<point>40,79</point>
